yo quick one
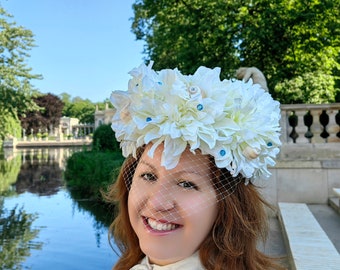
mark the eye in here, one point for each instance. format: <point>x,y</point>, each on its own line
<point>148,177</point>
<point>187,185</point>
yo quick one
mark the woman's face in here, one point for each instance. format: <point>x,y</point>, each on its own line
<point>172,211</point>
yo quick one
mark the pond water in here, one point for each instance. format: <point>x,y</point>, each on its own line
<point>42,224</point>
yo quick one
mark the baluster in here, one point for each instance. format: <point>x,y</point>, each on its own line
<point>337,120</point>
<point>293,122</point>
<point>308,121</point>
<point>324,120</point>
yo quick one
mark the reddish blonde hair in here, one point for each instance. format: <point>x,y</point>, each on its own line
<point>241,221</point>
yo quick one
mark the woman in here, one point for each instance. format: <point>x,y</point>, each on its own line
<point>194,146</point>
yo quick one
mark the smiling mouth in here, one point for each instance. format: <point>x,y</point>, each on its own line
<point>159,225</point>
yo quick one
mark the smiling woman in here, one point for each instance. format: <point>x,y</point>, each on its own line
<point>194,147</point>
<point>166,206</point>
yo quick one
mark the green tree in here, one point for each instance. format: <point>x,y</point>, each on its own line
<point>10,125</point>
<point>15,75</point>
<point>290,40</point>
<point>82,109</point>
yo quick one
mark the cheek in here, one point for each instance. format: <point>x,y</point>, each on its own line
<point>138,188</point>
<point>200,209</point>
<point>135,199</point>
<point>204,211</point>
<point>207,209</point>
<point>199,225</point>
<point>206,218</point>
<point>137,195</point>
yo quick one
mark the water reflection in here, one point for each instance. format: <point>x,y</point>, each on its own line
<point>102,215</point>
<point>37,171</point>
<point>9,171</point>
<point>42,224</point>
<point>17,237</point>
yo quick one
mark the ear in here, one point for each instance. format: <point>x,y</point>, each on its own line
<point>245,73</point>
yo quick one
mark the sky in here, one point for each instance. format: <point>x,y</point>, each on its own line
<point>85,48</point>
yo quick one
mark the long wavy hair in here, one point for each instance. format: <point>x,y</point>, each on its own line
<point>232,243</point>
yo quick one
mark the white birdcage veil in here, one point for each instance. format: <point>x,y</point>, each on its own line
<point>163,194</point>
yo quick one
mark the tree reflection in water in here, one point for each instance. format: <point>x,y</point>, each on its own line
<point>103,214</point>
<point>16,237</point>
<point>40,172</point>
<point>16,232</point>
<point>9,170</point>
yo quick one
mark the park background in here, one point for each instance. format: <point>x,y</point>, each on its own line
<point>63,58</point>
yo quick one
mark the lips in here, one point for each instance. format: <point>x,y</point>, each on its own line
<point>160,226</point>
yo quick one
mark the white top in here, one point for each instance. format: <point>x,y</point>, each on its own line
<point>191,263</point>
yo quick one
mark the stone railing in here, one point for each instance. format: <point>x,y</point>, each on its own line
<point>310,123</point>
<point>308,165</point>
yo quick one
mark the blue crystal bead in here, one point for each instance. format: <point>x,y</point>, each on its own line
<point>269,144</point>
<point>200,107</point>
<point>148,119</point>
<point>223,152</point>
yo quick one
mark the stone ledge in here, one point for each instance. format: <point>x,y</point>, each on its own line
<point>331,164</point>
<point>334,202</point>
<point>63,143</point>
<point>308,245</point>
<point>311,164</point>
<point>315,164</point>
<point>309,151</point>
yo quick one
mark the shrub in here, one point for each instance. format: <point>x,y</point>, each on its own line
<point>104,139</point>
<point>92,171</point>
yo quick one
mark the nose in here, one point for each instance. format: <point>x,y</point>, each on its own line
<point>160,197</point>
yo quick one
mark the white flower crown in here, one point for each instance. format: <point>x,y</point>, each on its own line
<point>235,122</point>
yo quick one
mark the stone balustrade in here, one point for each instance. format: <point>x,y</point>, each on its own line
<point>308,166</point>
<point>310,123</point>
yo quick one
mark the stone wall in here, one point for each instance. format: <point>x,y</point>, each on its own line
<point>304,173</point>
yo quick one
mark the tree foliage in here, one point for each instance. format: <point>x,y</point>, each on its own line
<point>83,109</point>
<point>291,41</point>
<point>78,108</point>
<point>15,75</point>
<point>104,139</point>
<point>10,126</point>
<point>47,118</point>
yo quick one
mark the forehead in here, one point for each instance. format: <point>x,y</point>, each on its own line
<point>188,160</point>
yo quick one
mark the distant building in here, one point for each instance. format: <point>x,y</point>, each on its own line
<point>71,126</point>
<point>67,123</point>
<point>103,116</point>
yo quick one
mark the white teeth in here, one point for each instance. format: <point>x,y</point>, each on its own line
<point>160,226</point>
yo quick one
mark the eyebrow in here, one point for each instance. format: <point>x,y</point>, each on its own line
<point>147,164</point>
<point>179,172</point>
